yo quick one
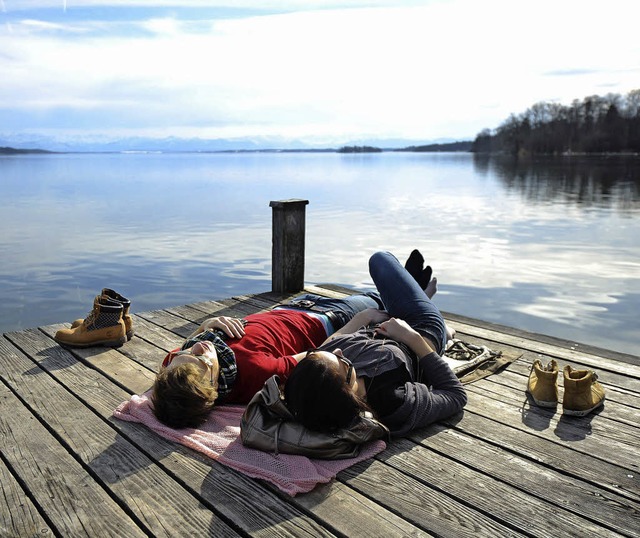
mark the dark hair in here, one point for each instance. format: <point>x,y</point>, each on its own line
<point>317,395</point>
<point>180,398</point>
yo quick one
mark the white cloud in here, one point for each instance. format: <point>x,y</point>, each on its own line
<point>444,69</point>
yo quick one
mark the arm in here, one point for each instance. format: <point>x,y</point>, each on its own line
<point>233,327</point>
<point>437,396</point>
<point>361,319</point>
<point>439,393</point>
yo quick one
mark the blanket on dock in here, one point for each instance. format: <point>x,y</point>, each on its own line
<point>219,439</point>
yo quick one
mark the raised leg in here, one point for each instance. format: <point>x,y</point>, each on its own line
<point>405,299</point>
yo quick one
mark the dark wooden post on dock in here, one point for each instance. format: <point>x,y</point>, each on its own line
<point>287,253</point>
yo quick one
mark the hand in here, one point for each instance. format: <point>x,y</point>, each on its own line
<point>371,315</point>
<point>232,327</point>
<point>400,331</point>
<point>397,329</point>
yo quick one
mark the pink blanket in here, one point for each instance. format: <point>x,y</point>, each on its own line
<point>219,438</point>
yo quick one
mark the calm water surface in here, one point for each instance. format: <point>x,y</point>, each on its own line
<point>550,246</point>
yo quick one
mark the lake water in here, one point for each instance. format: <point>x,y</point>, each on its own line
<point>550,246</point>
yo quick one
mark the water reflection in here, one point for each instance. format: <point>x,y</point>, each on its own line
<point>549,246</point>
<point>611,182</point>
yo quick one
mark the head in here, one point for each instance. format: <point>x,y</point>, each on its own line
<point>184,392</point>
<point>321,391</point>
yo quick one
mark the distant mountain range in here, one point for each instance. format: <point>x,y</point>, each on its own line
<point>174,144</point>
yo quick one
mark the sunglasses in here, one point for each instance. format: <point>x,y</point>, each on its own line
<point>350,367</point>
<point>204,360</point>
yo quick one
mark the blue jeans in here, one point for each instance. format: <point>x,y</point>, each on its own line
<point>343,309</point>
<point>403,298</point>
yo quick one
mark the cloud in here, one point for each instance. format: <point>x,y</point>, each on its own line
<point>440,69</point>
<point>570,72</point>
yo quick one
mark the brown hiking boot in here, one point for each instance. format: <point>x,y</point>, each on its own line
<point>582,392</point>
<point>126,317</point>
<point>543,385</point>
<point>102,327</point>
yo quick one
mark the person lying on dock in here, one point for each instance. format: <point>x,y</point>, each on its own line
<point>227,360</point>
<point>393,370</point>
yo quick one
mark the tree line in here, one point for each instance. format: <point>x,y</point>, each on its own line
<point>597,124</point>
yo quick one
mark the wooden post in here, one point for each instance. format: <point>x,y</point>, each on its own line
<point>287,253</point>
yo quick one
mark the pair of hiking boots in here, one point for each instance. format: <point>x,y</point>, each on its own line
<point>108,324</point>
<point>582,392</point>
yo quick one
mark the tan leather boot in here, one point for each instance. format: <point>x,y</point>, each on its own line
<point>126,317</point>
<point>582,392</point>
<point>102,327</point>
<point>543,384</point>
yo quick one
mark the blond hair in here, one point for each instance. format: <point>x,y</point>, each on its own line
<point>181,398</point>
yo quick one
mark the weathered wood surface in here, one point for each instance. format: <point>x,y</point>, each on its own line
<point>503,468</point>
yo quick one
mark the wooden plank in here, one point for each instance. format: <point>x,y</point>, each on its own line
<point>546,452</point>
<point>154,334</point>
<point>191,313</point>
<point>170,322</point>
<point>131,477</point>
<point>375,518</point>
<point>351,514</point>
<point>230,485</point>
<point>144,353</point>
<point>500,451</point>
<point>227,493</point>
<point>18,515</point>
<point>613,421</point>
<point>618,356</point>
<point>584,499</point>
<point>575,356</point>
<point>515,386</point>
<point>597,438</point>
<point>112,363</point>
<point>434,511</point>
<point>73,502</point>
<point>611,382</point>
<point>243,305</point>
<point>508,505</point>
<point>613,379</point>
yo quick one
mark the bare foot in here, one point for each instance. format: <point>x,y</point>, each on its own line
<point>432,287</point>
<point>451,332</point>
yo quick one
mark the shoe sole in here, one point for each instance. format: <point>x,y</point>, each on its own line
<point>104,343</point>
<point>542,403</point>
<point>581,412</point>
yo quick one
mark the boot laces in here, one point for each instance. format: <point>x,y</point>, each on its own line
<point>90,318</point>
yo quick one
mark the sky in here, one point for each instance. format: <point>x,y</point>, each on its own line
<point>318,71</point>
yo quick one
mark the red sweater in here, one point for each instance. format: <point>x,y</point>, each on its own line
<point>270,340</point>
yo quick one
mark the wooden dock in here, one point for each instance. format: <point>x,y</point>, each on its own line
<point>504,468</point>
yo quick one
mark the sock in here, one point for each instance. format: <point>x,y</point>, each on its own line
<point>425,277</point>
<point>414,264</point>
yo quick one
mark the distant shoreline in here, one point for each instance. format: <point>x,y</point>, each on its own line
<point>456,146</point>
<point>16,151</point>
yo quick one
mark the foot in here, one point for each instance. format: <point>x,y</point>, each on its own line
<point>414,264</point>
<point>432,287</point>
<point>451,332</point>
